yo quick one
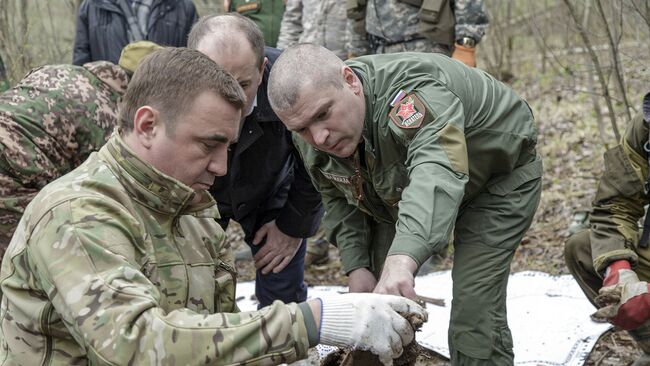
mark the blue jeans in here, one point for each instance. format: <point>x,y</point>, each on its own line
<point>287,285</point>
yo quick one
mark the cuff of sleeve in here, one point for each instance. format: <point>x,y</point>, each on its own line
<point>337,318</point>
<point>353,258</point>
<point>310,324</point>
<point>411,245</point>
<point>602,261</point>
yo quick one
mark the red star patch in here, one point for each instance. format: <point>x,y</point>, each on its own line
<point>406,110</point>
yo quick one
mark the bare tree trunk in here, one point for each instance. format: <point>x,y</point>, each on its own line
<point>590,84</point>
<point>598,69</point>
<point>614,39</point>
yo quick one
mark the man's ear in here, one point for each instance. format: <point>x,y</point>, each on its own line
<point>146,125</point>
<point>350,79</point>
<point>261,70</point>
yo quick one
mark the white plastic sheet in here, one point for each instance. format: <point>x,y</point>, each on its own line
<point>548,316</point>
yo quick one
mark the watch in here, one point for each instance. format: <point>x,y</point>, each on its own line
<point>468,42</point>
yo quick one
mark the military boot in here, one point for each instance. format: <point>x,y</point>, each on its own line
<point>642,337</point>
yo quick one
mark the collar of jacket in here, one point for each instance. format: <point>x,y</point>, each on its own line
<point>110,74</point>
<point>368,95</point>
<point>150,187</point>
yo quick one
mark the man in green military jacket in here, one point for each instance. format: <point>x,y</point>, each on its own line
<point>267,14</point>
<point>120,262</point>
<point>410,152</point>
<point>611,260</point>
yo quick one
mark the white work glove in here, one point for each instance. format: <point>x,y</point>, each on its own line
<point>370,322</point>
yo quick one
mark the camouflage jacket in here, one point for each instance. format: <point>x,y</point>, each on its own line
<point>115,264</point>
<point>320,22</point>
<point>621,195</point>
<point>399,20</point>
<point>436,134</point>
<point>49,123</point>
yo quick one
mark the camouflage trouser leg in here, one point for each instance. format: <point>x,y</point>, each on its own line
<point>488,230</point>
<point>416,45</point>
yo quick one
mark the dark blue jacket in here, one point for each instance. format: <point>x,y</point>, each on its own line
<point>266,178</point>
<point>101,28</point>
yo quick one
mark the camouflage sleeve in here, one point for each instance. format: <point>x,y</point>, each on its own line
<point>87,264</point>
<point>356,43</point>
<point>620,198</point>
<point>437,166</point>
<point>291,26</point>
<point>471,19</point>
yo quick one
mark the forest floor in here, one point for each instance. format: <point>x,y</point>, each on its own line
<point>572,149</point>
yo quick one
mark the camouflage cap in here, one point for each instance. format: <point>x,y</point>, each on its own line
<point>134,52</point>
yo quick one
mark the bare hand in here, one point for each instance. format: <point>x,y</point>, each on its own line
<point>226,5</point>
<point>361,280</point>
<point>397,276</point>
<point>278,250</point>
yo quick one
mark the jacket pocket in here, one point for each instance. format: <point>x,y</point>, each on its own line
<point>619,174</point>
<point>225,283</point>
<point>519,176</point>
<point>430,10</point>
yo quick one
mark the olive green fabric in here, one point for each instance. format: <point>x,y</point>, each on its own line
<point>620,198</point>
<point>267,14</point>
<point>462,161</point>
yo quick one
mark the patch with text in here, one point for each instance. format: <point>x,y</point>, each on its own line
<point>409,113</point>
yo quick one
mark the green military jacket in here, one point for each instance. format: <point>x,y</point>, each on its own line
<point>267,14</point>
<point>620,198</point>
<point>112,264</point>
<point>436,134</point>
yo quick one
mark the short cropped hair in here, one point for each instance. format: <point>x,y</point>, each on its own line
<point>223,26</point>
<point>298,66</point>
<point>171,79</point>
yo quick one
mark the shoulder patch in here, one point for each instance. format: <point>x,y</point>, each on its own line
<point>409,112</point>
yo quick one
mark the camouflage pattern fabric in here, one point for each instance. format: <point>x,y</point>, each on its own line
<point>115,263</point>
<point>321,22</point>
<point>396,21</point>
<point>49,123</point>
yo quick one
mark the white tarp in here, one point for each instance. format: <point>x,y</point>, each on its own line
<point>548,316</point>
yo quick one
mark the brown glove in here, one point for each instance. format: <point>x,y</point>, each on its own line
<point>465,55</point>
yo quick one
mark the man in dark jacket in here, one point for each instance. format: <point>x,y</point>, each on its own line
<point>104,27</point>
<point>266,190</point>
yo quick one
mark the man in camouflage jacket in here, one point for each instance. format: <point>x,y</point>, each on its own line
<point>416,25</point>
<point>611,260</point>
<point>120,262</point>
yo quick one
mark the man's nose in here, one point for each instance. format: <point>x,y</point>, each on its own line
<point>218,165</point>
